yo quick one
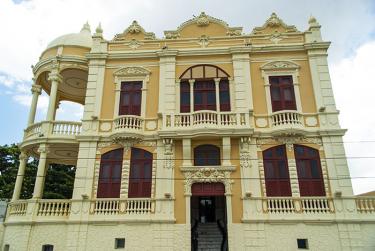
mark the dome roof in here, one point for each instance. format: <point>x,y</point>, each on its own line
<point>83,38</point>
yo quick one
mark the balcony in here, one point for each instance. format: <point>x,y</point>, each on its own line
<point>206,121</point>
<point>53,129</point>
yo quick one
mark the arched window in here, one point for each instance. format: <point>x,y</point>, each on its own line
<point>205,89</point>
<point>309,171</point>
<point>282,93</point>
<point>207,155</point>
<point>140,177</point>
<point>276,171</point>
<point>110,174</point>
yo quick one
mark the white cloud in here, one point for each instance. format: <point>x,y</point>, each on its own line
<point>354,90</point>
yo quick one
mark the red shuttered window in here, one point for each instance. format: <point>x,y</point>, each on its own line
<point>110,174</point>
<point>207,155</point>
<point>185,96</point>
<point>224,95</point>
<point>130,98</point>
<point>140,177</point>
<point>276,171</point>
<point>282,93</point>
<point>204,95</point>
<point>309,171</point>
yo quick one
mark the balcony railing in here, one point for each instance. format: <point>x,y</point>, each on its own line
<point>128,122</point>
<point>54,208</point>
<point>286,118</point>
<point>205,118</point>
<point>122,206</point>
<point>365,204</point>
<point>55,128</point>
<point>297,205</point>
<point>17,208</point>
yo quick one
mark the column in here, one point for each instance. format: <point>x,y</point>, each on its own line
<point>41,173</point>
<point>36,90</point>
<point>20,174</point>
<point>186,152</point>
<point>55,79</point>
<point>191,82</point>
<point>217,92</point>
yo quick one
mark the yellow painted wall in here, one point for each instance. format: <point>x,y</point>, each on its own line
<point>193,30</point>
<point>180,203</point>
<point>237,206</point>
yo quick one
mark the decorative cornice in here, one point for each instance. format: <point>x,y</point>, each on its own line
<point>280,64</point>
<point>132,71</point>
<point>274,22</point>
<point>134,29</point>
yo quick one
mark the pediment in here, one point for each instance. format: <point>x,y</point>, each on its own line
<point>280,65</point>
<point>274,25</point>
<point>132,71</point>
<point>203,25</point>
<point>135,32</point>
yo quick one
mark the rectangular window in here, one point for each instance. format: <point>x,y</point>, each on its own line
<point>185,97</point>
<point>302,244</point>
<point>130,98</point>
<point>119,243</point>
<point>224,96</point>
<point>282,93</point>
<point>204,95</point>
<point>47,247</point>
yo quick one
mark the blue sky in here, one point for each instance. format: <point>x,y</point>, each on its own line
<point>28,26</point>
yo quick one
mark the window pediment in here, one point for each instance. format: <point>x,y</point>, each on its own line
<point>132,71</point>
<point>280,65</point>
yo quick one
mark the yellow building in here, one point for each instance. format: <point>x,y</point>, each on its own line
<point>206,139</point>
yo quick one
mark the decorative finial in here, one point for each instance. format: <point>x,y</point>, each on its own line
<point>313,23</point>
<point>202,19</point>
<point>134,27</point>
<point>274,20</point>
<point>86,28</point>
<point>99,29</point>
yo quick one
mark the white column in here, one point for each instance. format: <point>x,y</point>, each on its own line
<point>217,89</point>
<point>226,151</point>
<point>178,97</point>
<point>41,173</point>
<point>20,174</point>
<point>55,79</point>
<point>191,82</point>
<point>186,152</point>
<point>36,90</point>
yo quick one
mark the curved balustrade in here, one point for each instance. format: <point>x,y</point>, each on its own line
<point>33,130</point>
<point>55,128</point>
<point>286,118</point>
<point>205,118</point>
<point>17,208</point>
<point>66,128</point>
<point>128,122</point>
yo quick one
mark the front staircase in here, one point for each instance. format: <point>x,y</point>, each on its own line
<point>209,237</point>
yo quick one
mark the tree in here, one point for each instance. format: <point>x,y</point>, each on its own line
<point>58,184</point>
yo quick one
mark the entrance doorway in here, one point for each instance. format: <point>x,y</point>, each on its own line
<point>208,216</point>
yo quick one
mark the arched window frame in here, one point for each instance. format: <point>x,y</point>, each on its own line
<point>281,69</point>
<point>143,184</point>
<point>276,186</point>
<point>207,150</point>
<point>309,186</point>
<point>110,187</point>
<point>223,87</point>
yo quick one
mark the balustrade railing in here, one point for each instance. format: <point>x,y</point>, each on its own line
<point>286,118</point>
<point>17,208</point>
<point>122,206</point>
<point>205,118</point>
<point>53,208</point>
<point>128,122</point>
<point>365,205</point>
<point>66,128</point>
<point>295,205</point>
<point>33,130</point>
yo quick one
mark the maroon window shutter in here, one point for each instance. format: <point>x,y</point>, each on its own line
<point>140,178</point>
<point>110,174</point>
<point>309,171</point>
<point>276,171</point>
<point>130,98</point>
<point>224,95</point>
<point>204,95</point>
<point>282,93</point>
<point>185,96</point>
<point>206,155</point>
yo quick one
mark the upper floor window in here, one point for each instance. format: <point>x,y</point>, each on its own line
<point>210,87</point>
<point>207,155</point>
<point>309,171</point>
<point>282,93</point>
<point>276,171</point>
<point>110,174</point>
<point>140,178</point>
<point>130,98</point>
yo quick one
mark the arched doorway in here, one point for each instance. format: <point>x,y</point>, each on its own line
<point>208,216</point>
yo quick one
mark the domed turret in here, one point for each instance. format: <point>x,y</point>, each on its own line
<point>83,38</point>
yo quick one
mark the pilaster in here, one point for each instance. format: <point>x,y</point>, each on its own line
<point>167,82</point>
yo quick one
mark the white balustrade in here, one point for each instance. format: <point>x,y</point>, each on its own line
<point>17,208</point>
<point>66,128</point>
<point>53,208</point>
<point>317,205</point>
<point>122,206</point>
<point>128,122</point>
<point>365,205</point>
<point>206,118</point>
<point>33,130</point>
<point>286,118</point>
<point>293,205</point>
<point>280,205</point>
